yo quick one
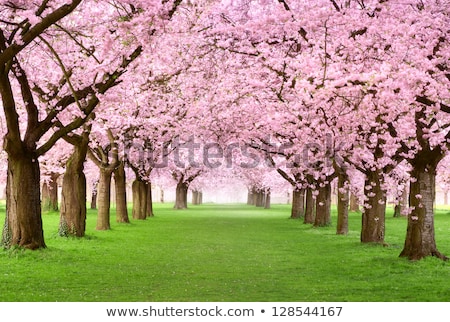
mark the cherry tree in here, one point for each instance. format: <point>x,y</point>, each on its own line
<point>68,87</point>
<point>22,26</point>
<point>348,56</point>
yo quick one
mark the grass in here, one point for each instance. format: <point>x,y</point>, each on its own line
<point>232,253</point>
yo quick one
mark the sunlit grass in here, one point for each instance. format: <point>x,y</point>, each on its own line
<point>223,253</point>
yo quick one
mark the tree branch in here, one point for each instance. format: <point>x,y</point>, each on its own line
<point>286,177</point>
<point>28,100</point>
<point>426,101</point>
<point>31,34</point>
<point>286,6</point>
<point>109,81</point>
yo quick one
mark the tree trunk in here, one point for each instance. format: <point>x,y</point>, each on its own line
<point>260,199</point>
<point>374,209</point>
<point>94,196</point>
<point>195,197</point>
<point>267,200</point>
<point>139,188</point>
<point>397,210</point>
<point>323,206</point>
<point>46,202</point>
<point>310,203</point>
<point>298,204</point>
<point>354,206</point>
<point>94,199</point>
<point>50,193</point>
<point>252,196</point>
<point>181,195</point>
<point>72,221</point>
<point>249,197</point>
<point>445,197</point>
<point>342,205</point>
<point>420,240</point>
<point>161,200</point>
<point>121,194</point>
<point>104,199</point>
<point>401,204</point>
<point>149,211</point>
<point>23,222</point>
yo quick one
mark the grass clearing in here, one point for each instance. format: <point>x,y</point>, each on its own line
<point>232,253</point>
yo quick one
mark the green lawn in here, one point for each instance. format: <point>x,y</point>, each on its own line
<point>223,253</point>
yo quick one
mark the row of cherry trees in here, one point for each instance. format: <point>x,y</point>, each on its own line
<point>310,92</point>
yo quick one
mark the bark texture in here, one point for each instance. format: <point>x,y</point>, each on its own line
<point>94,199</point>
<point>374,209</point>
<point>267,199</point>
<point>181,195</point>
<point>402,204</point>
<point>121,194</point>
<point>342,205</point>
<point>310,208</point>
<point>149,212</point>
<point>139,189</point>
<point>298,204</point>
<point>354,206</point>
<point>50,193</point>
<point>251,197</point>
<point>420,241</point>
<point>104,199</point>
<point>23,222</point>
<point>260,196</point>
<point>196,194</point>
<point>72,220</point>
<point>323,206</point>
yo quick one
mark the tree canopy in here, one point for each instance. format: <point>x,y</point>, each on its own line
<point>306,91</point>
